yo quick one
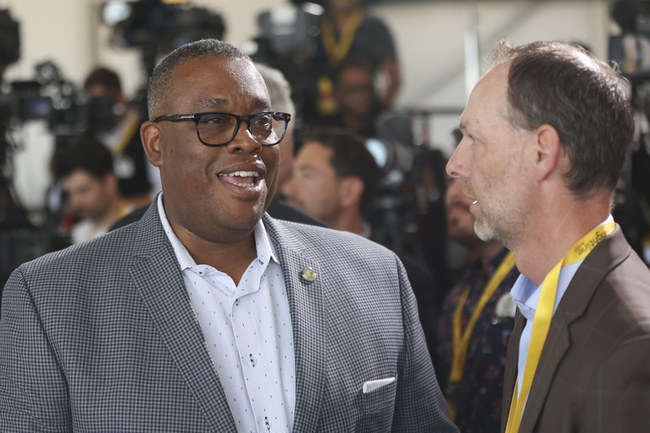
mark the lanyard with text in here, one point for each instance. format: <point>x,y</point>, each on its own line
<point>543,316</point>
<point>336,51</point>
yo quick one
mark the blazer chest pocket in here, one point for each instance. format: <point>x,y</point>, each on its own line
<point>380,400</point>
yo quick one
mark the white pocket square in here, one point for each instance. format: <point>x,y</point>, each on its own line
<point>372,385</point>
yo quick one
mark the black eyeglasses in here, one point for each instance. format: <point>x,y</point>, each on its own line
<point>218,129</point>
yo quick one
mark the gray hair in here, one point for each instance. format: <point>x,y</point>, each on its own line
<point>279,90</point>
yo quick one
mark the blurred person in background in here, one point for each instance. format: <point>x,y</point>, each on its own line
<point>475,323</point>
<point>349,31</point>
<point>356,98</point>
<point>335,180</point>
<point>116,124</point>
<point>91,189</point>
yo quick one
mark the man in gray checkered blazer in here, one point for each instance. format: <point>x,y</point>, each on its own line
<point>207,315</point>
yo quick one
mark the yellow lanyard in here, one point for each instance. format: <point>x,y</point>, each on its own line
<point>127,135</point>
<point>461,338</point>
<point>337,50</point>
<point>543,316</point>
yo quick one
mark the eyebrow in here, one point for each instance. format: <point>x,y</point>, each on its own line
<point>262,103</point>
<point>305,168</point>
<point>212,103</point>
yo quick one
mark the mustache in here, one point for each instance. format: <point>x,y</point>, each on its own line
<point>467,189</point>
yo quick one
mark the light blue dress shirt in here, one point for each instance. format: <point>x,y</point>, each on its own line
<point>526,295</point>
<point>248,333</point>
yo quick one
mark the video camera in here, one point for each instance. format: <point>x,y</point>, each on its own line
<point>158,27</point>
<point>631,48</point>
<point>48,97</point>
<point>410,193</point>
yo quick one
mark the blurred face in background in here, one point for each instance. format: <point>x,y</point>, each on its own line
<point>355,91</point>
<point>285,171</point>
<point>88,196</point>
<point>315,188</point>
<point>343,5</point>
<point>104,108</point>
<point>460,221</point>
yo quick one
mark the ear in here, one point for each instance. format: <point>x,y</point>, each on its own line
<point>549,154</point>
<point>350,191</point>
<point>150,134</point>
<point>111,182</point>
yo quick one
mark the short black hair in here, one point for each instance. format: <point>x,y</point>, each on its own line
<point>350,158</point>
<point>86,154</point>
<point>105,77</point>
<point>353,62</point>
<point>161,77</point>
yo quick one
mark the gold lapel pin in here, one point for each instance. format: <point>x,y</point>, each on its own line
<point>308,274</point>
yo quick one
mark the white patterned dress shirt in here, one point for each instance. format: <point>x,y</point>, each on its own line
<point>248,333</point>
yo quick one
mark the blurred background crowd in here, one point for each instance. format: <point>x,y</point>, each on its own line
<point>375,90</point>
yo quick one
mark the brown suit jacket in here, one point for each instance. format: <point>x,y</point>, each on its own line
<point>594,372</point>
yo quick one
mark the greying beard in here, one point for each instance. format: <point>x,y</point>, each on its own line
<point>486,233</point>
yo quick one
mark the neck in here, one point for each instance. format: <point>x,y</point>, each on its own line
<point>555,232</point>
<point>488,251</point>
<point>342,15</point>
<point>232,258</point>
<point>349,221</point>
<point>112,214</point>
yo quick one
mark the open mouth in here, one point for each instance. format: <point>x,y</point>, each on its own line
<point>242,179</point>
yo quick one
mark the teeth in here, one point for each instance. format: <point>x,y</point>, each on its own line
<point>475,201</point>
<point>245,185</point>
<point>241,174</point>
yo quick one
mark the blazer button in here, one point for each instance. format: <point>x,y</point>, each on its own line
<point>309,274</point>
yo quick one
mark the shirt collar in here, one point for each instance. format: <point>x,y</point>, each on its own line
<point>525,293</point>
<point>263,244</point>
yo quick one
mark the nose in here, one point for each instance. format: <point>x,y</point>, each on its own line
<point>244,140</point>
<point>457,164</point>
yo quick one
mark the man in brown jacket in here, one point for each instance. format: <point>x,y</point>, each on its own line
<point>545,134</point>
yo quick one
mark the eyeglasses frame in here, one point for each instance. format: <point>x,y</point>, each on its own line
<point>196,117</point>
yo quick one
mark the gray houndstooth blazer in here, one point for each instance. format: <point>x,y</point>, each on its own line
<point>101,337</point>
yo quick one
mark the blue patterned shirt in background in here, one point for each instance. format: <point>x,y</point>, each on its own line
<point>477,398</point>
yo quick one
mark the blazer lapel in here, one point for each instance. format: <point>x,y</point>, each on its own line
<point>157,276</point>
<point>556,345</point>
<point>608,254</point>
<point>307,315</point>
